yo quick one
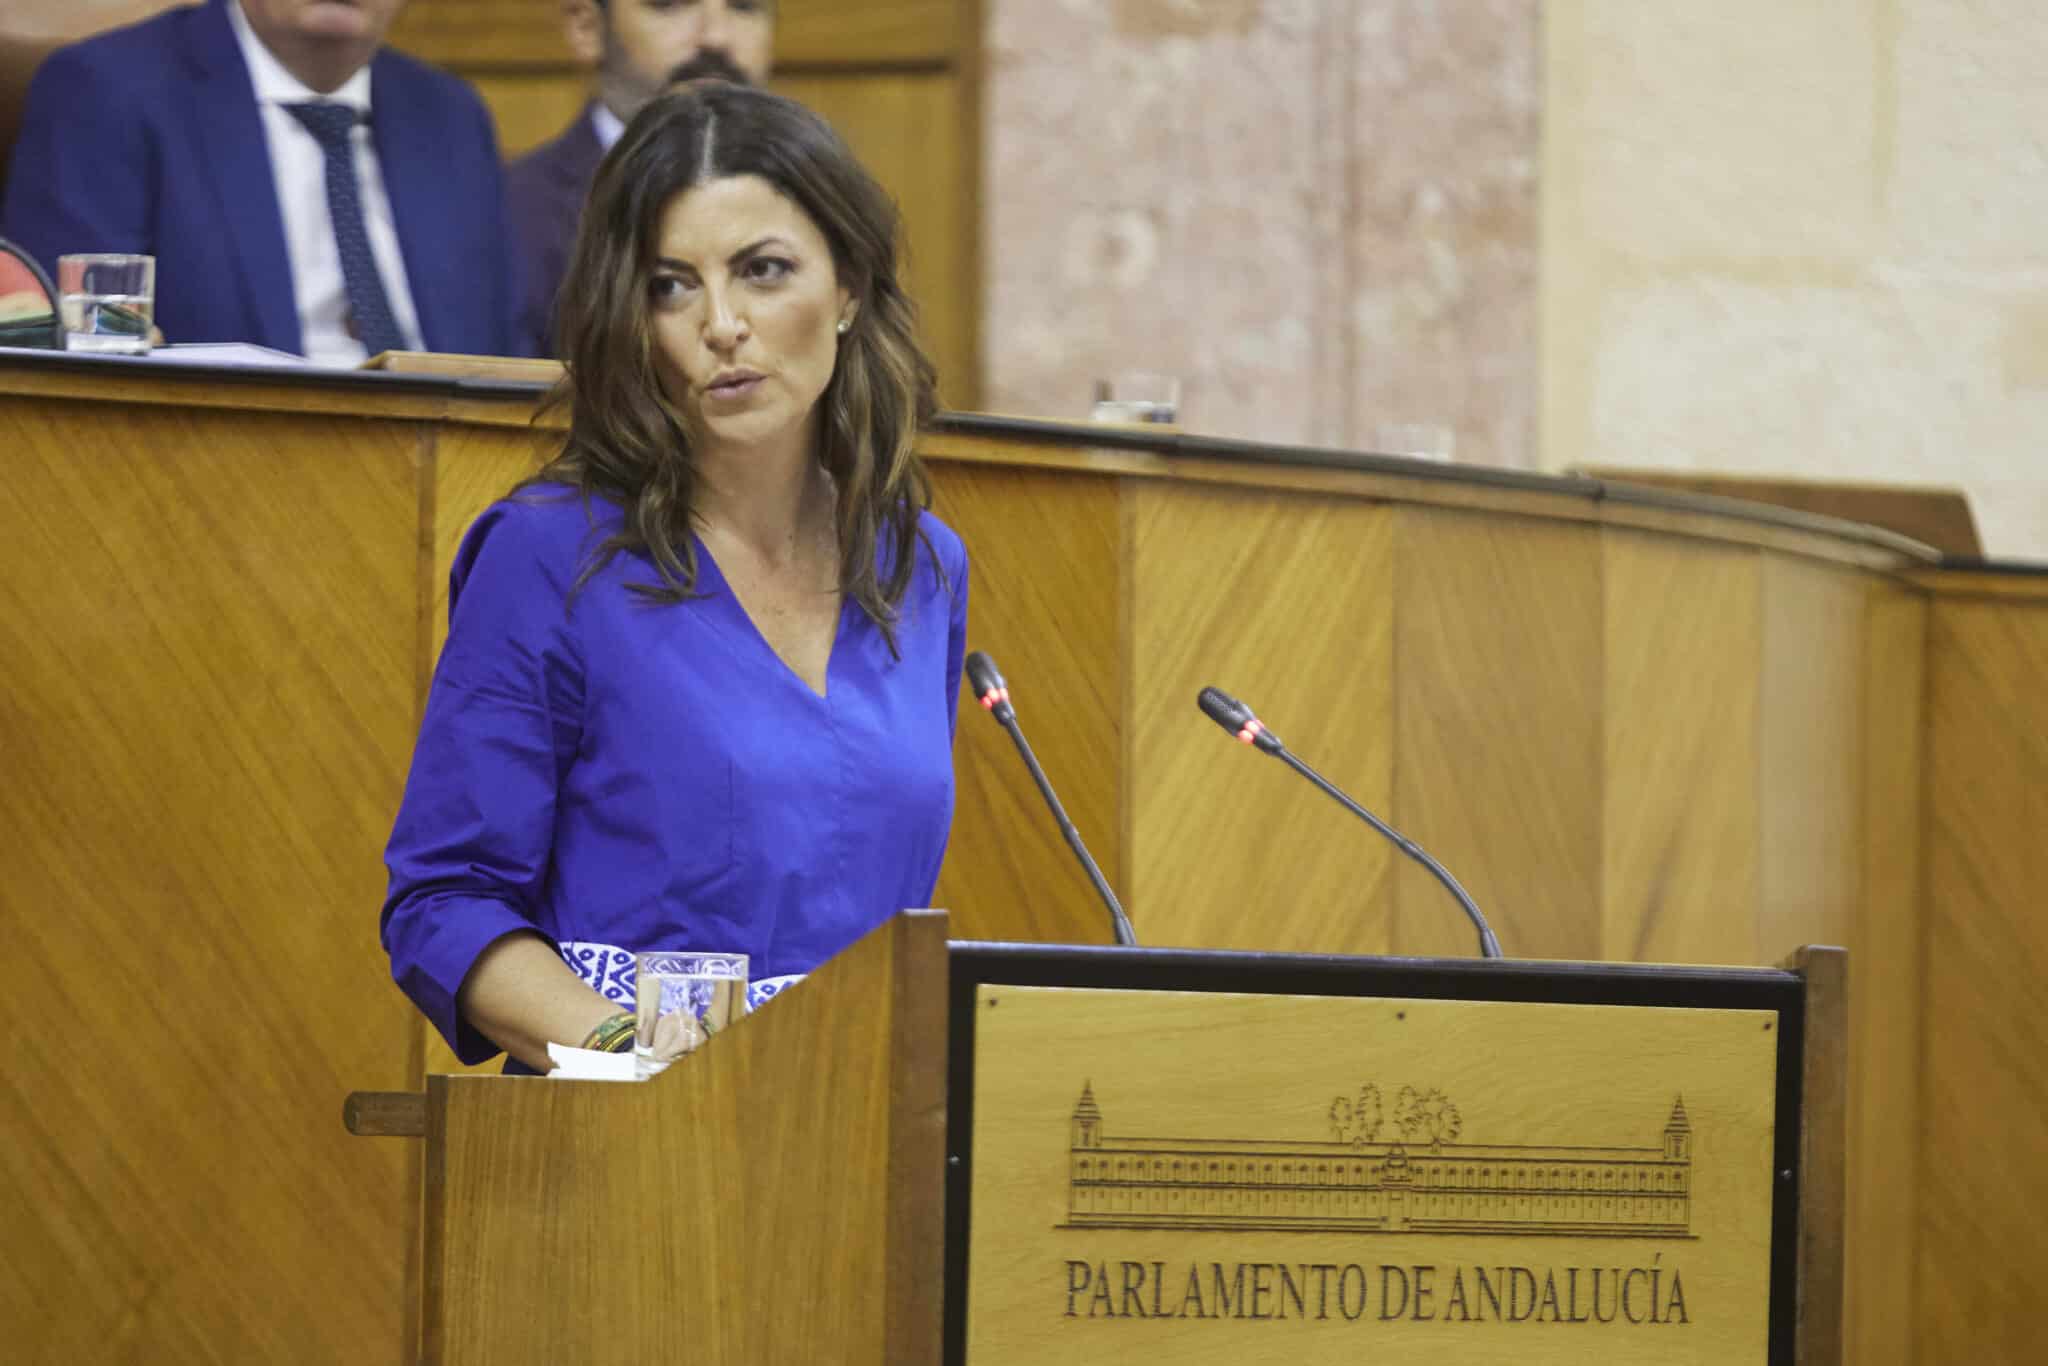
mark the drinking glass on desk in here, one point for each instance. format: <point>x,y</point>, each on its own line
<point>681,999</point>
<point>108,300</point>
<point>1137,396</point>
<point>1420,440</point>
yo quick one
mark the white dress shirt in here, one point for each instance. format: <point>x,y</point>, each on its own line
<point>299,169</point>
<point>608,126</point>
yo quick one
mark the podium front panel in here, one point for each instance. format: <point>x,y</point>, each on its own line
<point>1260,1158</point>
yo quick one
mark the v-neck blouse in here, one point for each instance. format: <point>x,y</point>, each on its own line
<point>624,776</point>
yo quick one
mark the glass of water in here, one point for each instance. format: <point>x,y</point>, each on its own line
<point>1137,396</point>
<point>108,300</point>
<point>681,999</point>
<point>1421,440</point>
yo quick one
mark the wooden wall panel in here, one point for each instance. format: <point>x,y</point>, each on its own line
<point>1885,987</point>
<point>1809,803</point>
<point>874,32</point>
<point>209,694</point>
<point>463,33</point>
<point>471,468</point>
<point>818,1238</point>
<point>1045,563</point>
<point>529,107</point>
<point>1684,641</point>
<point>1287,603</point>
<point>214,640</point>
<point>912,132</point>
<point>1937,517</point>
<point>1983,1180</point>
<point>1497,731</point>
<point>1837,768</point>
<point>808,33</point>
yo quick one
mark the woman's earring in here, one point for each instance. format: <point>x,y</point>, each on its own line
<point>845,326</point>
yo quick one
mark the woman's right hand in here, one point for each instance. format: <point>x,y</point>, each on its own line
<point>675,1034</point>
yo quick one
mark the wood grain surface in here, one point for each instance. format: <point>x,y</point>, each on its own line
<point>530,105</point>
<point>222,600</point>
<point>2018,585</point>
<point>469,468</point>
<point>1823,1168</point>
<point>1680,857</point>
<point>207,629</point>
<point>458,33</point>
<point>1887,1003</point>
<point>1497,731</point>
<point>1939,517</point>
<point>1983,1183</point>
<point>1045,566</point>
<point>1283,602</point>
<point>726,1210</point>
<point>881,33</point>
<point>1809,802</point>
<point>1192,459</point>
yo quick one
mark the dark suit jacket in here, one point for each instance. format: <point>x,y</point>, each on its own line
<point>546,189</point>
<point>149,139</point>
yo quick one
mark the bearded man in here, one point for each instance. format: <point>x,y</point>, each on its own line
<point>636,49</point>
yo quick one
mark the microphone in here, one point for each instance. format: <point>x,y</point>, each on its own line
<point>994,696</point>
<point>1235,717</point>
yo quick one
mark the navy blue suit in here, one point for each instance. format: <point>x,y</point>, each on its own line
<point>546,189</point>
<point>149,139</point>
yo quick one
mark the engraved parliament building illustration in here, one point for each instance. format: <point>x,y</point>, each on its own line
<point>1398,1173</point>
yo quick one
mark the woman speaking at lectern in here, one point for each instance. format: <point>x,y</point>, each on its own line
<point>699,685</point>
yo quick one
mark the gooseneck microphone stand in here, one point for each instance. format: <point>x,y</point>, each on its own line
<point>994,696</point>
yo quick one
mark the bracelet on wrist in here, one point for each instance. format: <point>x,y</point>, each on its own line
<point>614,1034</point>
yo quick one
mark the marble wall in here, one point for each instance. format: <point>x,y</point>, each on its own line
<point>1802,239</point>
<point>1320,214</point>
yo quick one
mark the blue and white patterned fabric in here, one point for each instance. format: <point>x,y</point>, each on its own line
<point>608,970</point>
<point>330,121</point>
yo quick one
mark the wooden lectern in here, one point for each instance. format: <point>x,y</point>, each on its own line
<point>996,1153</point>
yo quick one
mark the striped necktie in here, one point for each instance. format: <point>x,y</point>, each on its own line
<point>329,121</point>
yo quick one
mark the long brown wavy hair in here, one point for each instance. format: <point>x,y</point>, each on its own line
<point>627,441</point>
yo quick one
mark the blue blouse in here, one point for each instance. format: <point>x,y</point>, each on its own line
<point>625,776</point>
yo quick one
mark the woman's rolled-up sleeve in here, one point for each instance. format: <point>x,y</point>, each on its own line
<point>470,850</point>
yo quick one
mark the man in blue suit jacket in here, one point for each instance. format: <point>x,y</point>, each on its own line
<point>178,137</point>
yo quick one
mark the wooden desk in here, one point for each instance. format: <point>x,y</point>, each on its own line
<point>1938,517</point>
<point>1638,725</point>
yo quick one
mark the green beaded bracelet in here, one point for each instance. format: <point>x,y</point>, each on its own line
<point>612,1035</point>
